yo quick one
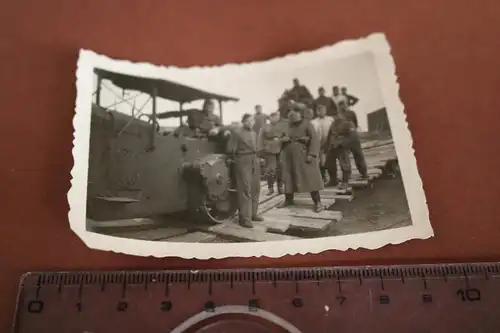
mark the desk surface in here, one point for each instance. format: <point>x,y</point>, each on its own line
<point>447,57</point>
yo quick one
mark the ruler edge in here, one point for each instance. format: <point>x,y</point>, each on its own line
<point>191,272</point>
<point>33,274</point>
<point>27,275</point>
<point>17,314</point>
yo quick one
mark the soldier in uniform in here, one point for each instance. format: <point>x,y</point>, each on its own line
<point>322,125</point>
<point>211,122</point>
<point>351,100</point>
<point>243,146</point>
<point>283,104</point>
<point>337,147</point>
<point>192,129</point>
<point>355,142</point>
<point>326,101</point>
<point>260,119</point>
<point>300,93</point>
<point>299,161</point>
<point>337,97</point>
<point>271,135</point>
<point>308,114</point>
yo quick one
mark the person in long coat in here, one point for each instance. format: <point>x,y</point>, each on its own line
<point>271,135</point>
<point>243,148</point>
<point>300,161</point>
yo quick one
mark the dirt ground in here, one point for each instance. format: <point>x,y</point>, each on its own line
<point>382,207</point>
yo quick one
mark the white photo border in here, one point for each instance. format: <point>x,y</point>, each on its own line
<point>376,43</point>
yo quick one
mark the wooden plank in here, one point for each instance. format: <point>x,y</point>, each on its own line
<point>152,234</point>
<point>264,197</point>
<point>304,224</point>
<point>357,176</point>
<point>256,234</point>
<point>376,143</point>
<point>275,225</point>
<point>126,225</point>
<point>387,145</point>
<point>359,182</point>
<point>348,197</point>
<point>380,165</point>
<point>264,207</point>
<point>121,223</point>
<point>193,237</point>
<point>389,151</point>
<point>118,199</point>
<point>378,153</point>
<point>329,196</point>
<point>375,173</point>
<point>336,190</point>
<point>307,201</point>
<point>304,211</point>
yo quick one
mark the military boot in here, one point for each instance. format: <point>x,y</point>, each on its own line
<point>246,224</point>
<point>319,207</point>
<point>270,186</point>
<point>288,201</point>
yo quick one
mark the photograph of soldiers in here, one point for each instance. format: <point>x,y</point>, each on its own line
<point>299,160</point>
<point>271,135</point>
<point>322,125</point>
<point>268,158</point>
<point>243,147</point>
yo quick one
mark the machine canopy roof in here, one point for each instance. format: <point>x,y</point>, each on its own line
<point>165,89</point>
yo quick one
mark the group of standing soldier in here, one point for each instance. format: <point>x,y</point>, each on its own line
<point>300,144</point>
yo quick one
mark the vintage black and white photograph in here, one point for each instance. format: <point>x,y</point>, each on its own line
<point>299,154</point>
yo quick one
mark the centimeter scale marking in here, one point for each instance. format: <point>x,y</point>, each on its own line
<point>417,298</point>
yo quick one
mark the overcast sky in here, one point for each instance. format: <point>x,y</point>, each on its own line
<point>263,84</point>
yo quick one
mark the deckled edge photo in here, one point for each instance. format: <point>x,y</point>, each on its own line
<point>375,43</point>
